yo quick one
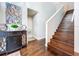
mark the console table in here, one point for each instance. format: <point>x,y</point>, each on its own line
<point>12,40</point>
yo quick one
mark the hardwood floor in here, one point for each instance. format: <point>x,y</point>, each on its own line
<point>62,42</point>
<point>36,48</point>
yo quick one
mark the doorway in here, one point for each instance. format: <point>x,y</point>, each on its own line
<point>31,13</point>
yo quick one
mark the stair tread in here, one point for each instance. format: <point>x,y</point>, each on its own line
<point>62,37</point>
<point>67,40</point>
<point>57,52</point>
<point>62,48</point>
<point>65,29</point>
<point>62,42</point>
<point>64,33</point>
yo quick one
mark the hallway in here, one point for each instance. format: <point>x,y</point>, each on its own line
<point>62,42</point>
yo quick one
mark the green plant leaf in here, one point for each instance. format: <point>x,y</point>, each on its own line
<point>14,26</point>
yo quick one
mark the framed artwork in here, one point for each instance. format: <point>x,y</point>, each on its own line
<point>13,14</point>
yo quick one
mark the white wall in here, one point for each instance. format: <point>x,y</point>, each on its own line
<point>53,23</point>
<point>2,13</point>
<point>44,11</point>
<point>76,27</point>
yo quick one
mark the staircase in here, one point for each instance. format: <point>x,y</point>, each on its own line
<point>62,42</point>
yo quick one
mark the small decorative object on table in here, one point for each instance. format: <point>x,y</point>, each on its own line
<point>3,27</point>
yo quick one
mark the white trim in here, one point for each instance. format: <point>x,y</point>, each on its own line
<point>72,17</point>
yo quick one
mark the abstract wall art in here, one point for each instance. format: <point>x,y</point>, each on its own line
<point>13,14</point>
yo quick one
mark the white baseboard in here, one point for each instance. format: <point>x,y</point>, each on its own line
<point>38,38</point>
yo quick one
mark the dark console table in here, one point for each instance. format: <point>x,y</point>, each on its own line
<point>12,40</point>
